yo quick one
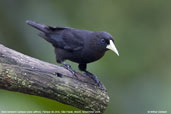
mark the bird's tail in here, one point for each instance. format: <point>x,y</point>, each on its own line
<point>41,27</point>
<point>45,30</point>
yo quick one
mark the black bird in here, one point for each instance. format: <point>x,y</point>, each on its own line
<point>80,46</point>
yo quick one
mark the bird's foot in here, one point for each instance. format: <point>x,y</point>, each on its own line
<point>68,67</point>
<point>94,78</point>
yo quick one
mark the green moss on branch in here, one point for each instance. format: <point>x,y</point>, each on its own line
<point>25,74</point>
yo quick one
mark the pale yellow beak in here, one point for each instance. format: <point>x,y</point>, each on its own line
<point>112,47</point>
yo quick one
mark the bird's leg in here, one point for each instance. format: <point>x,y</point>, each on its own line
<point>68,67</point>
<point>82,67</point>
<point>93,77</point>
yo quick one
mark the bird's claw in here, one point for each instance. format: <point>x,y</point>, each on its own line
<point>94,78</point>
<point>68,67</point>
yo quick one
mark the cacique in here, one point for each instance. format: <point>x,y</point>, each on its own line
<point>80,46</point>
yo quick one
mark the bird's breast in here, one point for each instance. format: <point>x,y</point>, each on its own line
<point>82,56</point>
<point>90,56</point>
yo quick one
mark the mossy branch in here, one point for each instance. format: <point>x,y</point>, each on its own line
<point>21,73</point>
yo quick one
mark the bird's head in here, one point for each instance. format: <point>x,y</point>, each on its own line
<point>106,41</point>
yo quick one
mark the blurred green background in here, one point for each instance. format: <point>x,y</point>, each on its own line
<point>139,80</point>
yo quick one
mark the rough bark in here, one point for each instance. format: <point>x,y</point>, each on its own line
<point>21,73</point>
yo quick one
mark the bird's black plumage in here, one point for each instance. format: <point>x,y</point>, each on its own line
<point>80,46</point>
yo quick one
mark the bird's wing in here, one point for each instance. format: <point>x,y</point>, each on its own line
<point>60,37</point>
<point>65,38</point>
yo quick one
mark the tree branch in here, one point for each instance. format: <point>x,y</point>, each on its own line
<point>25,74</point>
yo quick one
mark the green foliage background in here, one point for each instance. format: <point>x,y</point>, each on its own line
<point>138,80</point>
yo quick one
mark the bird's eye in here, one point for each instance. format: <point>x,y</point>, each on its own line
<point>102,41</point>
